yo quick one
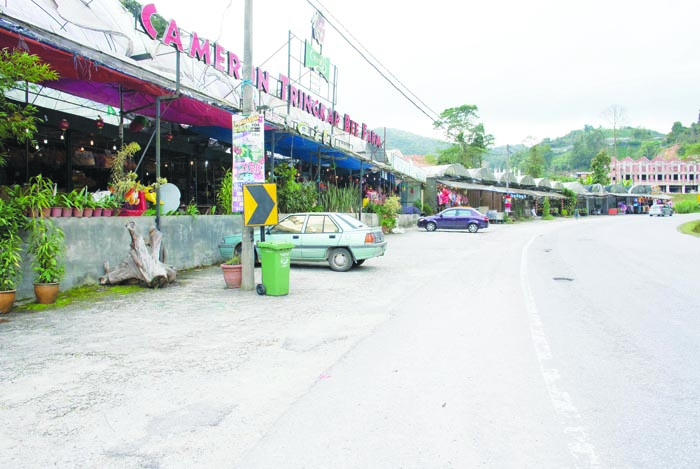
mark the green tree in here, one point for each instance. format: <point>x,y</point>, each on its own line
<point>570,201</point>
<point>17,122</point>
<point>600,165</point>
<point>649,149</point>
<point>478,145</point>
<point>586,145</point>
<point>546,209</point>
<point>691,149</point>
<point>450,155</point>
<point>469,139</point>
<point>535,162</point>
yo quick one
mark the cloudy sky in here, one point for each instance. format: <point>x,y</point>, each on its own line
<point>535,69</point>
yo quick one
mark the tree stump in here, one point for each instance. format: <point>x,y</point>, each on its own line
<point>143,264</point>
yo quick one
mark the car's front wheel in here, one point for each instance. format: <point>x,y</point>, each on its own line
<point>472,227</point>
<point>340,260</point>
<point>431,226</point>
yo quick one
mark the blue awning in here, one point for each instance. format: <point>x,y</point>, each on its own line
<point>292,145</point>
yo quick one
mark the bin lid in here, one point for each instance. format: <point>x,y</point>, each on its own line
<point>275,245</point>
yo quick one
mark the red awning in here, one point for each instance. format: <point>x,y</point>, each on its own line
<point>86,78</point>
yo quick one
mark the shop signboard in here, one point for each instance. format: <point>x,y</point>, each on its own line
<point>248,151</point>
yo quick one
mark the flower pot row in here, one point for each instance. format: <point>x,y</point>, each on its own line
<point>81,212</point>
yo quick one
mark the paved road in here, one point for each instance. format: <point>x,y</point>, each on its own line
<point>454,350</point>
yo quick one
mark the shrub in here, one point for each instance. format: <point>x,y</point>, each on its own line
<point>224,195</point>
<point>546,211</point>
<point>686,206</point>
<point>411,210</point>
<point>388,212</point>
<point>293,196</point>
<point>340,199</point>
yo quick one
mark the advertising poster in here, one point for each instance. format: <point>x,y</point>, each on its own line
<point>248,150</point>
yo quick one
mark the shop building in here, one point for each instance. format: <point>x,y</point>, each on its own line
<point>661,175</point>
<point>125,78</point>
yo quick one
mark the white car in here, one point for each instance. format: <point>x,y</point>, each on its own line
<point>660,210</point>
<point>337,238</point>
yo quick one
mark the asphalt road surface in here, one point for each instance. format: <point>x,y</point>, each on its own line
<point>568,343</point>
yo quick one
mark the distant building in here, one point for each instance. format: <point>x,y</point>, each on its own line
<point>670,176</point>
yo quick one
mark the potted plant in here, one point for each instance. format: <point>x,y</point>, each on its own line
<point>78,202</point>
<point>109,206</point>
<point>46,245</point>
<point>88,203</point>
<point>11,220</point>
<point>233,272</point>
<point>39,196</point>
<point>66,203</point>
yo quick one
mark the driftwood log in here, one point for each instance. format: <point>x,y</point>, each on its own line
<point>143,264</point>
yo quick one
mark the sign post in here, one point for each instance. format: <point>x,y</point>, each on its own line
<point>247,255</point>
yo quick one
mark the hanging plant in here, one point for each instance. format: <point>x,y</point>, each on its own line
<point>138,124</point>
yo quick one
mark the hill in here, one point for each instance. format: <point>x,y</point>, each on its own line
<point>411,144</point>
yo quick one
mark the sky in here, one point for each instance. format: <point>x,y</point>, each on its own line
<point>535,70</point>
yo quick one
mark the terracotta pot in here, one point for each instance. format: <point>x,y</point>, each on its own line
<point>233,275</point>
<point>87,212</point>
<point>46,293</point>
<point>97,212</point>
<point>56,212</point>
<point>78,212</point>
<point>106,212</point>
<point>7,300</point>
<point>67,212</point>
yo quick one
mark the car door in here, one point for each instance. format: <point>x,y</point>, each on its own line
<point>289,230</point>
<point>465,216</point>
<point>320,234</point>
<point>448,219</point>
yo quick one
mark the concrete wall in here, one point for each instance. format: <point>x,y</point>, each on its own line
<point>189,242</point>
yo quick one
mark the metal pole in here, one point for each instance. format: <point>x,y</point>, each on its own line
<point>157,133</point>
<point>247,256</point>
<point>121,117</point>
<point>362,175</point>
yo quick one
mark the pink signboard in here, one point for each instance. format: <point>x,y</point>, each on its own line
<point>248,150</point>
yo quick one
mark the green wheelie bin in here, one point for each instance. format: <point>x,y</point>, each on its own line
<point>275,259</point>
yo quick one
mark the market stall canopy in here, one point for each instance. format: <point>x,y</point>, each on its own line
<point>507,177</point>
<point>499,189</point>
<point>595,188</point>
<point>525,181</point>
<point>452,170</point>
<point>616,189</point>
<point>543,183</point>
<point>576,187</point>
<point>483,175</point>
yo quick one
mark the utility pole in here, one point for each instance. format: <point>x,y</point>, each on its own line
<point>247,256</point>
<point>507,165</point>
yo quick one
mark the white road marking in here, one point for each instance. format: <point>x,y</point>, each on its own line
<point>578,442</point>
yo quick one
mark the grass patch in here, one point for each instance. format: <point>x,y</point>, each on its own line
<point>691,228</point>
<point>81,294</point>
<point>684,197</point>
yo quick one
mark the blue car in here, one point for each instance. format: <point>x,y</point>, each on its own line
<point>455,218</point>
